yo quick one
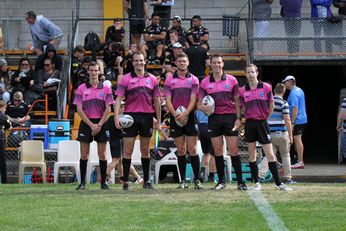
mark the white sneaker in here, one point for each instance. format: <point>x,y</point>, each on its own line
<point>283,187</point>
<point>257,186</point>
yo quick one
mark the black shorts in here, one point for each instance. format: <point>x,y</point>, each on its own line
<point>219,125</point>
<point>154,44</point>
<point>142,125</point>
<point>137,27</point>
<point>84,133</point>
<point>299,129</point>
<point>116,144</point>
<point>207,146</point>
<point>257,130</point>
<point>190,129</point>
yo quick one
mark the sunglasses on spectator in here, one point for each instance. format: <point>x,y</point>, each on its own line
<point>25,64</point>
<point>46,65</point>
<point>17,100</point>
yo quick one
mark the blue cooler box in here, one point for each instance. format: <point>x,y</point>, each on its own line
<point>39,132</point>
<point>58,130</point>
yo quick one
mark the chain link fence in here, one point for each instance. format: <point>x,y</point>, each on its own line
<point>297,39</point>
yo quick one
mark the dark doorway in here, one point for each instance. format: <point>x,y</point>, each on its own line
<point>321,85</point>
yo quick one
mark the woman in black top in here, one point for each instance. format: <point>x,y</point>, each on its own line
<point>4,125</point>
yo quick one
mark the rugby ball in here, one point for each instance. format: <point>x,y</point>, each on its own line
<point>179,110</point>
<point>209,101</point>
<point>107,83</point>
<point>125,121</point>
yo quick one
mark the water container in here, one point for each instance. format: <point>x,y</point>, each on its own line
<point>58,130</point>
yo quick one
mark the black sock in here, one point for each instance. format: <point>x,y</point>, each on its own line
<point>182,166</point>
<point>254,171</point>
<point>211,176</point>
<point>220,167</point>
<point>146,168</point>
<point>237,168</point>
<point>103,170</point>
<point>195,166</point>
<point>274,170</point>
<point>83,169</point>
<point>126,169</point>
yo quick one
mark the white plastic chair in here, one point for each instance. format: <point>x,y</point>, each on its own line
<point>94,160</point>
<point>169,159</point>
<point>32,155</point>
<point>68,156</point>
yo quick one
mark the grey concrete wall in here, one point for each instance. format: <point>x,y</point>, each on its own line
<point>60,12</point>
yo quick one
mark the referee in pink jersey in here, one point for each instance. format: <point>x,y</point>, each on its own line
<point>224,89</point>
<point>257,100</point>
<point>141,93</point>
<point>181,89</point>
<point>93,101</point>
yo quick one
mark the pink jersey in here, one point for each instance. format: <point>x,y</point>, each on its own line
<point>181,89</point>
<point>93,100</point>
<point>256,101</point>
<point>139,92</point>
<point>222,92</point>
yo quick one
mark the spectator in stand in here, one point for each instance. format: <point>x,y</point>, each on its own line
<point>169,65</point>
<point>128,58</point>
<point>182,33</point>
<point>43,32</point>
<point>138,16</point>
<point>197,30</point>
<point>48,77</point>
<point>299,119</point>
<point>115,32</point>
<point>24,77</point>
<point>82,74</point>
<point>199,58</point>
<point>163,8</point>
<point>17,110</point>
<point>5,77</point>
<point>291,11</point>
<point>77,60</point>
<point>321,9</point>
<point>154,36</point>
<point>341,4</point>
<point>113,54</point>
<point>261,12</point>
<point>49,53</point>
<point>173,39</point>
<point>5,124</point>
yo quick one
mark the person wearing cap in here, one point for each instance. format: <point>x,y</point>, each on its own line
<point>51,53</point>
<point>17,110</point>
<point>154,36</point>
<point>5,77</point>
<point>296,101</point>
<point>43,32</point>
<point>198,30</point>
<point>115,32</point>
<point>24,77</point>
<point>169,65</point>
<point>257,103</point>
<point>182,32</point>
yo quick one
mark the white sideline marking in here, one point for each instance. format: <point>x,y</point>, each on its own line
<point>273,220</point>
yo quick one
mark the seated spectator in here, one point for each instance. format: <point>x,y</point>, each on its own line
<point>154,36</point>
<point>5,76</point>
<point>173,39</point>
<point>82,74</point>
<point>24,77</point>
<point>49,53</point>
<point>77,59</point>
<point>169,65</point>
<point>113,54</point>
<point>48,77</point>
<point>17,110</point>
<point>115,32</point>
<point>128,58</point>
<point>182,33</point>
<point>198,30</point>
<point>43,32</point>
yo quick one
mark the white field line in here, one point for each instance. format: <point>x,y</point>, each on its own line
<point>273,220</point>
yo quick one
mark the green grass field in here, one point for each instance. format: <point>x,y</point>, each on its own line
<point>60,207</point>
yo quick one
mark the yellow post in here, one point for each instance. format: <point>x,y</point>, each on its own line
<point>111,9</point>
